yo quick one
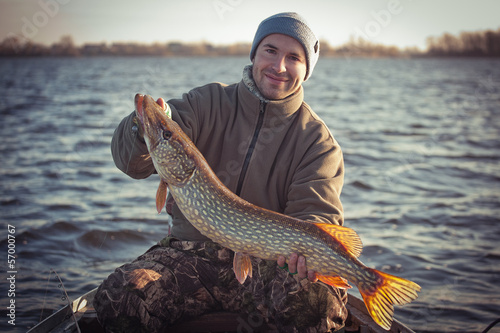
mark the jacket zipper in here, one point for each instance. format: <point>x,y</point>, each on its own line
<point>260,122</point>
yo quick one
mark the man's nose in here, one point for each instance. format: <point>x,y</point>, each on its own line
<point>279,65</point>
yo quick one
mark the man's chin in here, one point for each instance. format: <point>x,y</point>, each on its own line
<point>273,94</point>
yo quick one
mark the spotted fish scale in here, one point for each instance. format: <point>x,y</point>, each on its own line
<point>225,221</point>
<point>331,251</point>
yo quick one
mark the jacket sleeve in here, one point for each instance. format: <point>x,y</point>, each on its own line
<point>130,153</point>
<point>314,194</point>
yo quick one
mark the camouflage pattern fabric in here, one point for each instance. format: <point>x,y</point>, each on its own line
<point>176,281</point>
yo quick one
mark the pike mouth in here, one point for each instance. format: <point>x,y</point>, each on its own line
<point>140,101</point>
<point>145,110</point>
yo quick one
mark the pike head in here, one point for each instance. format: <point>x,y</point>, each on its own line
<point>169,147</point>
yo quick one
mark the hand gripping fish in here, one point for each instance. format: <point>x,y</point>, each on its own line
<point>248,230</point>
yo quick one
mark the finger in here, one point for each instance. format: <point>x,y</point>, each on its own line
<point>281,261</point>
<point>302,267</point>
<point>161,102</point>
<point>292,263</point>
<point>311,275</point>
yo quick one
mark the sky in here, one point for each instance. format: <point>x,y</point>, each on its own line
<point>404,23</point>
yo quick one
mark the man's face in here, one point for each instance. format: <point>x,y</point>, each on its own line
<point>279,66</point>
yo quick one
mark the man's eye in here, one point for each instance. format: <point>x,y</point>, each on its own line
<point>167,135</point>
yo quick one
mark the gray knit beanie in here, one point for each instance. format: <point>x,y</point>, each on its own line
<point>293,25</point>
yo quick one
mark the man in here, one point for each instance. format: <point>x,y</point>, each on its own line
<point>267,146</point>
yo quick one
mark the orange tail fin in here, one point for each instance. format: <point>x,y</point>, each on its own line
<point>380,297</point>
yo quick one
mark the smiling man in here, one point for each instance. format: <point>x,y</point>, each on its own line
<point>267,146</point>
<point>279,66</point>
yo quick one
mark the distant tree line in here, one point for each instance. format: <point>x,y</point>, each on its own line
<point>362,48</point>
<point>466,44</point>
<point>16,46</point>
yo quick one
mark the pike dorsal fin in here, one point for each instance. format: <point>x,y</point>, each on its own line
<point>345,236</point>
<point>161,196</point>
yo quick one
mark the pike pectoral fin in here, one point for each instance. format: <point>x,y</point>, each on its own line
<point>242,266</point>
<point>161,196</point>
<point>334,281</point>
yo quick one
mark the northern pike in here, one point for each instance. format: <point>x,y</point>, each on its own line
<point>331,251</point>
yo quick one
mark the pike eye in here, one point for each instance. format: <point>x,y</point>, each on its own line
<point>167,135</point>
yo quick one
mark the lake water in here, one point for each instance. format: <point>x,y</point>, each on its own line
<point>421,141</point>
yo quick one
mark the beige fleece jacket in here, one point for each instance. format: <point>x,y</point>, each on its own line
<point>275,154</point>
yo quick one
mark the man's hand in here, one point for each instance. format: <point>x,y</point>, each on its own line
<point>297,265</point>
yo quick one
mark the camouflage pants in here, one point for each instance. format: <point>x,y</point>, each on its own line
<point>175,281</point>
